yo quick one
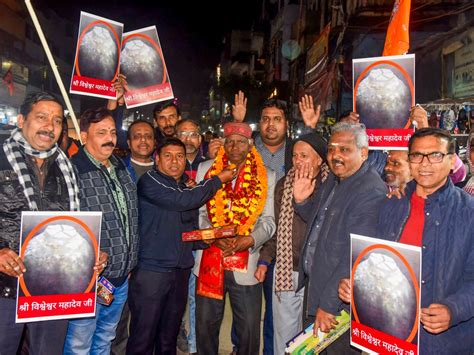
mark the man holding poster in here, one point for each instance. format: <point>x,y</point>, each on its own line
<point>35,176</point>
<point>437,216</point>
<point>105,185</point>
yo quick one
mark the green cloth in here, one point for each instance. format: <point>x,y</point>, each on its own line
<point>117,191</point>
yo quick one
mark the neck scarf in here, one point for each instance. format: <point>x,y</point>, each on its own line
<point>284,260</point>
<point>13,148</point>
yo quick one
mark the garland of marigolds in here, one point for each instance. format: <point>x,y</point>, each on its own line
<point>244,203</point>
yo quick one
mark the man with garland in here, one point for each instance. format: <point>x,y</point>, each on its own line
<point>228,265</point>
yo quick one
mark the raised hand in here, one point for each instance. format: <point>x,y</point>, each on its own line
<point>120,85</point>
<point>304,183</point>
<point>239,108</point>
<point>309,114</point>
<point>420,116</point>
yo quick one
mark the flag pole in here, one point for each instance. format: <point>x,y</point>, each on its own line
<point>53,67</point>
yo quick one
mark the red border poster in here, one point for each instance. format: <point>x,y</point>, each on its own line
<point>383,93</point>
<point>385,296</point>
<point>97,60</point>
<point>59,250</point>
<point>143,63</point>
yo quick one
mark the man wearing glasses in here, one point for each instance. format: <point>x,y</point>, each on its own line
<point>188,132</point>
<point>437,216</point>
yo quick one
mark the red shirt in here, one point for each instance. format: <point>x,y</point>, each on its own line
<point>413,232</point>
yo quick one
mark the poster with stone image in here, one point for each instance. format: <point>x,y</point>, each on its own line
<point>385,296</point>
<point>142,62</point>
<point>59,250</point>
<point>383,94</point>
<point>97,60</point>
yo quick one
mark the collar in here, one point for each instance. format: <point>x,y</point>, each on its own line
<point>180,183</point>
<point>84,164</point>
<point>362,170</point>
<point>439,194</point>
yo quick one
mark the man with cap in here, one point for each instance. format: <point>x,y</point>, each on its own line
<point>309,154</point>
<point>229,265</point>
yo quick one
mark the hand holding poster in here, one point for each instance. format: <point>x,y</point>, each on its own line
<point>384,92</point>
<point>97,60</point>
<point>385,296</point>
<point>59,251</point>
<point>143,63</point>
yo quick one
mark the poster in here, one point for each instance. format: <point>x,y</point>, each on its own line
<point>97,60</point>
<point>143,63</point>
<point>383,93</point>
<point>59,250</point>
<point>385,299</point>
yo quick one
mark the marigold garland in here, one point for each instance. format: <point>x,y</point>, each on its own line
<point>243,204</point>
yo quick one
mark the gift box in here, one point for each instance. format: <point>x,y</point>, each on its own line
<point>210,233</point>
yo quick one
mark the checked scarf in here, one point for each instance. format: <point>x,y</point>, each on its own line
<point>284,260</point>
<point>13,147</point>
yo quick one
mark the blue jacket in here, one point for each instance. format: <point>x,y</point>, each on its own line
<point>167,209</point>
<point>447,261</point>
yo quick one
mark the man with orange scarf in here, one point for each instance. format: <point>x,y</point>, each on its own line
<point>228,265</point>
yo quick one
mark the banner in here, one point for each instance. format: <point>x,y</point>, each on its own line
<point>97,60</point>
<point>385,296</point>
<point>59,251</point>
<point>143,63</point>
<point>383,94</point>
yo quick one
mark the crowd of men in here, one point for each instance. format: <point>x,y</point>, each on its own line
<point>293,203</point>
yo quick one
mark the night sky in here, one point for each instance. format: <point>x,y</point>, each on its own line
<point>190,32</point>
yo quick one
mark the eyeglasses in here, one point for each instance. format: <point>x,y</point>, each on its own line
<point>433,158</point>
<point>193,135</point>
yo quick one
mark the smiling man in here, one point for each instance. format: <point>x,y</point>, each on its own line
<point>436,216</point>
<point>159,285</point>
<point>34,176</point>
<point>141,141</point>
<point>347,202</point>
<point>105,185</point>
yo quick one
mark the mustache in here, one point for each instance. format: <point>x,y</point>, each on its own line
<point>46,133</point>
<point>336,161</point>
<point>108,144</point>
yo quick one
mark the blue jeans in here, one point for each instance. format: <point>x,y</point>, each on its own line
<point>192,314</point>
<point>94,335</point>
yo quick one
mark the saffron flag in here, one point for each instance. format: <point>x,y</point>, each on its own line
<point>8,80</point>
<point>397,41</point>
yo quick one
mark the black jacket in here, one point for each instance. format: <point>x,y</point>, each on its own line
<point>167,209</point>
<point>53,197</point>
<point>353,209</point>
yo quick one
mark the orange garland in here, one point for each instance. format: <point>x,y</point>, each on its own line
<point>246,203</point>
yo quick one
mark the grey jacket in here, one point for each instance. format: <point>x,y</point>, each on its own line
<point>263,229</point>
